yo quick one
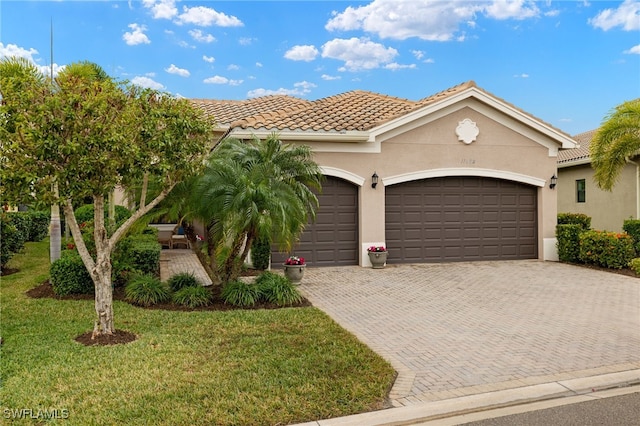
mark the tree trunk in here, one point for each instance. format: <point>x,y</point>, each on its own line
<point>232,264</point>
<point>55,233</point>
<point>101,272</point>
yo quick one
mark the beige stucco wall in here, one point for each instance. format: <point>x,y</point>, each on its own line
<point>608,210</point>
<point>433,149</point>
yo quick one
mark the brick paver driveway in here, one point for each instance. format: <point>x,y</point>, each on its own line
<point>464,328</point>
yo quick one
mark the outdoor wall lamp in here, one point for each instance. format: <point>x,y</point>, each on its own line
<point>374,180</point>
<point>554,181</point>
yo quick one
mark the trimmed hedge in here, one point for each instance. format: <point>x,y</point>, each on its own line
<point>606,249</point>
<point>632,227</point>
<point>85,213</point>
<point>568,242</point>
<point>11,240</point>
<point>634,265</point>
<point>575,219</point>
<point>70,276</point>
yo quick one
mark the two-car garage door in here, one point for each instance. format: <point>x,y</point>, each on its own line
<point>460,219</point>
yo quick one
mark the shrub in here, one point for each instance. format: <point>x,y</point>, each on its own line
<point>568,242</point>
<point>70,276</point>
<point>277,289</point>
<point>632,227</point>
<point>634,265</point>
<point>607,249</point>
<point>575,219</point>
<point>182,280</point>
<point>146,290</point>
<point>261,253</point>
<point>39,225</point>
<point>22,222</point>
<point>85,213</point>
<point>144,253</point>
<point>192,297</point>
<point>11,240</point>
<point>239,293</point>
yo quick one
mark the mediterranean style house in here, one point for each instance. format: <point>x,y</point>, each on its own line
<point>461,175</point>
<point>578,192</point>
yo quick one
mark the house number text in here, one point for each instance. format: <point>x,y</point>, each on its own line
<point>468,161</point>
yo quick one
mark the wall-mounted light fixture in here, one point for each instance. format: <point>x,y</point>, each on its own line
<point>553,182</point>
<point>374,180</point>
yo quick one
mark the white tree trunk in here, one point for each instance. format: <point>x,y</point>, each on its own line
<point>55,233</point>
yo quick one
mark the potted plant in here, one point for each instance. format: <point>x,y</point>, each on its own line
<point>294,268</point>
<point>377,256</point>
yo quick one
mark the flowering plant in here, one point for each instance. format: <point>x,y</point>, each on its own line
<point>377,249</point>
<point>294,260</point>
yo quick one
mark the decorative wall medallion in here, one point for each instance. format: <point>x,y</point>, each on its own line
<point>467,131</point>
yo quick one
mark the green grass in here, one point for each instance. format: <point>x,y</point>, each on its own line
<point>260,367</point>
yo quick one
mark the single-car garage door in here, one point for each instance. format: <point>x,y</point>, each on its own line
<point>333,239</point>
<point>460,218</point>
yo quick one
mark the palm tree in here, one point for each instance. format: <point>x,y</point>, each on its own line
<point>255,189</point>
<point>615,143</point>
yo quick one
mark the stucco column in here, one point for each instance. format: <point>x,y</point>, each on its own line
<point>372,220</point>
<point>547,221</point>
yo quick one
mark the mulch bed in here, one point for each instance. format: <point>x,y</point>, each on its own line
<point>118,338</point>
<point>8,271</point>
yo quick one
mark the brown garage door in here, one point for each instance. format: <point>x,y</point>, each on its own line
<point>460,219</point>
<point>333,238</point>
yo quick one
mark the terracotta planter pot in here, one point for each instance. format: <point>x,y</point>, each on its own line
<point>378,259</point>
<point>294,273</point>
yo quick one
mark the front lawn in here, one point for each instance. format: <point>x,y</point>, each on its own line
<point>241,367</point>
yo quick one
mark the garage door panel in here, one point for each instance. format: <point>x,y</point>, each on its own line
<point>333,238</point>
<point>461,218</point>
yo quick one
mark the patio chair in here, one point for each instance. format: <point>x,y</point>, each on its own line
<point>179,238</point>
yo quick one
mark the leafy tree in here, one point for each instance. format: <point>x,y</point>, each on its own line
<point>250,190</point>
<point>87,136</point>
<point>615,143</point>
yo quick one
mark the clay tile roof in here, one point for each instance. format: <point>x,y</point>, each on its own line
<point>224,112</point>
<point>446,93</point>
<point>580,153</point>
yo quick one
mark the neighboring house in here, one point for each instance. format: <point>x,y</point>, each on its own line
<point>461,175</point>
<point>578,192</point>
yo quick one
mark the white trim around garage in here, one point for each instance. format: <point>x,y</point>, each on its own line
<point>464,171</point>
<point>342,174</point>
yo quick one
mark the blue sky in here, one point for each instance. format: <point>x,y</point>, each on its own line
<point>566,62</point>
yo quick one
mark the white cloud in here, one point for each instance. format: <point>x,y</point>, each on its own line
<point>427,20</point>
<point>299,89</point>
<point>137,36</point>
<point>205,17</point>
<point>209,59</point>
<point>419,54</point>
<point>178,71</point>
<point>305,53</point>
<point>246,41</point>
<point>523,75</point>
<point>394,66</point>
<point>233,67</point>
<point>147,82</point>
<point>15,50</point>
<point>198,35</point>
<point>161,9</point>
<point>358,53</point>
<point>327,77</point>
<point>627,16</point>
<point>217,79</point>
<point>512,9</point>
<point>259,64</point>
<point>635,50</point>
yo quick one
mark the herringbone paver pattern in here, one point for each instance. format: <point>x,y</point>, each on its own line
<point>176,261</point>
<point>465,328</point>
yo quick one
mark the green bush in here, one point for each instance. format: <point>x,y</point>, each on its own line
<point>22,222</point>
<point>261,253</point>
<point>144,254</point>
<point>85,213</point>
<point>147,290</point>
<point>192,297</point>
<point>568,242</point>
<point>277,289</point>
<point>239,293</point>
<point>39,225</point>
<point>182,280</point>
<point>575,219</point>
<point>70,276</point>
<point>11,240</point>
<point>606,249</point>
<point>632,227</point>
<point>634,265</point>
